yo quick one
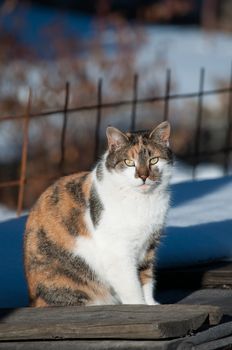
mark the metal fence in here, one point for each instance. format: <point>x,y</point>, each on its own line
<point>99,106</point>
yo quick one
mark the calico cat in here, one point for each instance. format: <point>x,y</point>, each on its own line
<point>91,238</point>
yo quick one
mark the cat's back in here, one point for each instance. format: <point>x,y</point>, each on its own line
<point>58,202</point>
<point>53,225</point>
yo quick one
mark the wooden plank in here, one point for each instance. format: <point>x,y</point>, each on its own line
<point>215,275</point>
<point>218,297</point>
<point>105,322</point>
<point>220,335</point>
<point>92,345</point>
<point>210,336</point>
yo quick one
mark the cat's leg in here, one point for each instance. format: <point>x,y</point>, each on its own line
<point>147,276</point>
<point>148,289</point>
<point>128,289</point>
<point>124,280</point>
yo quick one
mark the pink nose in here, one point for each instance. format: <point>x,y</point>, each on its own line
<point>143,177</point>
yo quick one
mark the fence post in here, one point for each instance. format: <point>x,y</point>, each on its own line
<point>167,93</point>
<point>199,120</point>
<point>64,127</point>
<point>229,128</point>
<point>134,102</point>
<point>98,121</point>
<point>24,155</point>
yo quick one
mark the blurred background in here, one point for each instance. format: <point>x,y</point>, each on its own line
<point>127,63</point>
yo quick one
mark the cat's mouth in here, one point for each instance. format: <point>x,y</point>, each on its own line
<point>145,186</point>
<point>148,186</point>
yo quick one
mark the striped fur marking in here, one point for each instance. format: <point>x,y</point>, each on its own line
<point>61,296</point>
<point>71,222</point>
<point>75,190</point>
<point>72,266</point>
<point>35,263</point>
<point>55,196</point>
<point>147,264</point>
<point>99,171</point>
<point>96,206</point>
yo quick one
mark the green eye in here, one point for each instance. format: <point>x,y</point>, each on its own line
<point>129,162</point>
<point>154,160</point>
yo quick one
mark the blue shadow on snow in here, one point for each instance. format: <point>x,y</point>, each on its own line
<point>13,289</point>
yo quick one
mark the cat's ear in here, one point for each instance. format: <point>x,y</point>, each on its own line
<point>161,133</point>
<point>116,138</point>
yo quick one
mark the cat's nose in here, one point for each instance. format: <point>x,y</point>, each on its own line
<point>144,178</point>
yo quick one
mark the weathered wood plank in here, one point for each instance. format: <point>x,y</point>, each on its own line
<point>214,338</point>
<point>210,336</point>
<point>92,345</point>
<point>105,322</point>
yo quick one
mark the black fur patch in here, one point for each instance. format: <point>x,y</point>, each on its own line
<point>75,190</point>
<point>55,195</point>
<point>26,234</point>
<point>71,222</point>
<point>72,266</point>
<point>96,206</point>
<point>146,265</point>
<point>134,137</point>
<point>61,296</point>
<point>115,158</point>
<point>143,156</point>
<point>99,171</point>
<point>152,245</point>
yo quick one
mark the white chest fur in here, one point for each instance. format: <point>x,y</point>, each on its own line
<point>127,222</point>
<point>131,217</point>
<point>119,241</point>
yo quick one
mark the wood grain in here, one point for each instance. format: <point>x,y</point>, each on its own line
<point>105,322</point>
<point>92,345</point>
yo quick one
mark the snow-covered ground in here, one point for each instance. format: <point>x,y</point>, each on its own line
<point>6,214</point>
<point>199,225</point>
<point>199,229</point>
<point>183,49</point>
<point>188,49</point>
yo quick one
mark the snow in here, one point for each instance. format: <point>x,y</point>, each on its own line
<point>189,49</point>
<point>6,213</point>
<point>184,172</point>
<point>198,230</point>
<point>13,290</point>
<point>183,49</point>
<point>199,224</point>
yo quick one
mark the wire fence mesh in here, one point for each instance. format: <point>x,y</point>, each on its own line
<point>99,107</point>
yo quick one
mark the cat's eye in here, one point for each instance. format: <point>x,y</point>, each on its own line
<point>154,160</point>
<point>129,162</point>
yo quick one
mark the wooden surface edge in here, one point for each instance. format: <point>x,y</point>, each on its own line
<point>128,322</point>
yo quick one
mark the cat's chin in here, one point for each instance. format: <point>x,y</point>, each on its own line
<point>144,188</point>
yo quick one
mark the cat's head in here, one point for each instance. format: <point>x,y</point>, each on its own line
<point>142,160</point>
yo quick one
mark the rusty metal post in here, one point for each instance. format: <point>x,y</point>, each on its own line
<point>167,94</point>
<point>64,127</point>
<point>197,141</point>
<point>134,102</point>
<point>229,129</point>
<point>98,121</point>
<point>24,155</point>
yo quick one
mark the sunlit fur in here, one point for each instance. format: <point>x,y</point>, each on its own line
<point>92,238</point>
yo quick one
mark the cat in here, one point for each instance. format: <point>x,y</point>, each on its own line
<point>92,237</point>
